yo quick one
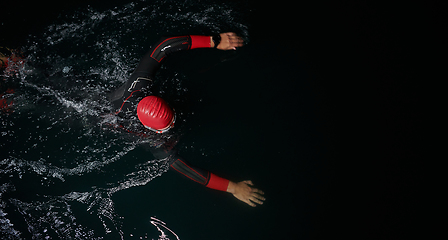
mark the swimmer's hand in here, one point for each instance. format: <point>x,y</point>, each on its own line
<point>229,41</point>
<point>243,192</point>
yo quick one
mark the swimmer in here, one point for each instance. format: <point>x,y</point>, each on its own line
<point>135,105</point>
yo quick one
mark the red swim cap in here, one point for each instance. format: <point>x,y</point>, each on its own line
<point>155,114</point>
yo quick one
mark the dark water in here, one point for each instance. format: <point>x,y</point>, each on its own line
<point>67,176</point>
<point>303,110</point>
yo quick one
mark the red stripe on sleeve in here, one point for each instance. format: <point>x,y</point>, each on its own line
<point>198,41</point>
<point>217,183</point>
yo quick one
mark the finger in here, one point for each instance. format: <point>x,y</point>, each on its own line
<point>257,196</point>
<point>251,203</point>
<point>236,40</point>
<point>237,44</point>
<point>249,182</point>
<point>256,201</point>
<point>258,193</point>
<point>255,190</point>
<point>248,202</point>
<point>233,36</point>
<point>240,42</point>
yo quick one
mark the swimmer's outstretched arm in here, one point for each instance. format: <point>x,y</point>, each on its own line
<point>154,58</point>
<point>243,191</point>
<point>169,45</point>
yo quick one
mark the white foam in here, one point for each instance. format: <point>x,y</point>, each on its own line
<point>59,109</point>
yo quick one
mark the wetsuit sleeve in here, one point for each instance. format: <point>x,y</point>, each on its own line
<point>198,175</point>
<point>135,88</point>
<point>167,46</point>
<point>200,41</point>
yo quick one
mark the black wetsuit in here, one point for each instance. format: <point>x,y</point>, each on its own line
<point>126,98</point>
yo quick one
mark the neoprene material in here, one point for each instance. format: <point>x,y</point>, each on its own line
<point>198,175</point>
<point>200,41</point>
<point>217,183</point>
<point>155,113</point>
<point>131,99</point>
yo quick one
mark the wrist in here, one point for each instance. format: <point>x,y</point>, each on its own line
<point>231,187</point>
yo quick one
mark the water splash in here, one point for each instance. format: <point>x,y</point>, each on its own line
<point>55,135</point>
<point>158,223</point>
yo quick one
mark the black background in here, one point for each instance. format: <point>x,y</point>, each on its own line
<point>373,64</point>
